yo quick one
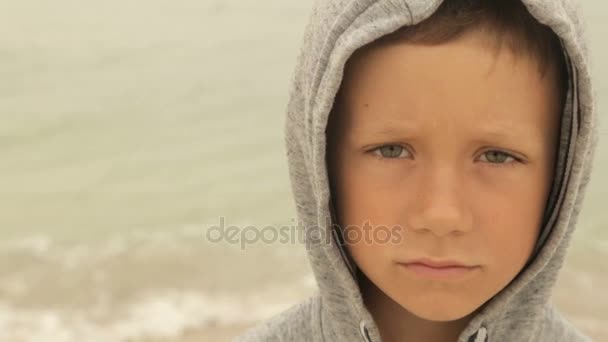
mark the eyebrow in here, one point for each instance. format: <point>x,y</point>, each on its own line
<point>391,129</point>
<point>506,134</point>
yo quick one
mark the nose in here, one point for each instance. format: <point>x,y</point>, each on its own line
<point>440,206</point>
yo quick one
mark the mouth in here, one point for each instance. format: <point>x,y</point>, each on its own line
<point>438,269</point>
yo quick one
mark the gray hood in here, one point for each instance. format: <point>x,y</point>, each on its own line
<point>521,311</point>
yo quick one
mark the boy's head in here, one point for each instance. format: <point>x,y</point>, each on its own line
<point>448,130</point>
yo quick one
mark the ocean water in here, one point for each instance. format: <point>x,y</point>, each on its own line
<point>130,127</point>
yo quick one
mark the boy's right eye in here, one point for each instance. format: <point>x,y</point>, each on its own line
<point>390,151</point>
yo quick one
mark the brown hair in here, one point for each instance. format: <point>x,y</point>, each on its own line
<point>507,21</point>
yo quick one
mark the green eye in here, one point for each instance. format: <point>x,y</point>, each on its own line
<point>497,157</point>
<point>391,151</point>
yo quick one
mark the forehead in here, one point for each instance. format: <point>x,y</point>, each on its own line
<point>464,79</point>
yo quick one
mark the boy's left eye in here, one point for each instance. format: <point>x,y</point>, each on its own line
<point>498,157</point>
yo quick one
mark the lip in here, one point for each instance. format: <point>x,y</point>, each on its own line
<point>438,269</point>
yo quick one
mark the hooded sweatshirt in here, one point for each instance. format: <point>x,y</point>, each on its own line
<point>522,311</point>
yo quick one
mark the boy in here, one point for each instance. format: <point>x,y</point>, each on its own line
<point>450,144</point>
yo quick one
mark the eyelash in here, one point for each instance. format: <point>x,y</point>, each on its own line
<point>376,152</point>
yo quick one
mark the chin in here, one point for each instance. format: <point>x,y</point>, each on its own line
<point>441,314</point>
<point>440,308</point>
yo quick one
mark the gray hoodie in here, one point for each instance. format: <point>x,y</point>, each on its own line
<point>520,312</point>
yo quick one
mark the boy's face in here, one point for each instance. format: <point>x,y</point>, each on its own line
<point>455,144</point>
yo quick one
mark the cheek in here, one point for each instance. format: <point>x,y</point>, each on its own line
<point>364,197</point>
<point>511,209</point>
<point>508,222</point>
<point>369,212</point>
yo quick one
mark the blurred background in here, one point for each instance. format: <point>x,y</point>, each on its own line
<point>129,127</point>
